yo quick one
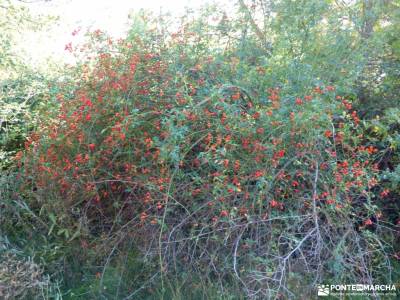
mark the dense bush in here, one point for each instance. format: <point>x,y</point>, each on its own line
<point>245,170</point>
<point>21,100</point>
<point>206,177</point>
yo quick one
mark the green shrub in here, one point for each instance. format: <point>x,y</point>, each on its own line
<point>237,171</point>
<point>209,178</point>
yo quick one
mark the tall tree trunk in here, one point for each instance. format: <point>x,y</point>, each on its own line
<point>366,31</point>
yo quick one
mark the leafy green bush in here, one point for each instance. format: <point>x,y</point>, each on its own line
<point>383,133</point>
<point>255,188</point>
<point>237,170</point>
<point>20,101</point>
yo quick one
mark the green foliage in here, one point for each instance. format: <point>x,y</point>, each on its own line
<point>221,156</point>
<point>20,100</point>
<point>22,89</point>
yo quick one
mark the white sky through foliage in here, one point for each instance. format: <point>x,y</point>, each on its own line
<point>107,15</point>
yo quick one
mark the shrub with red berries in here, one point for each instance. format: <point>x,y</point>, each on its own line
<point>152,144</point>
